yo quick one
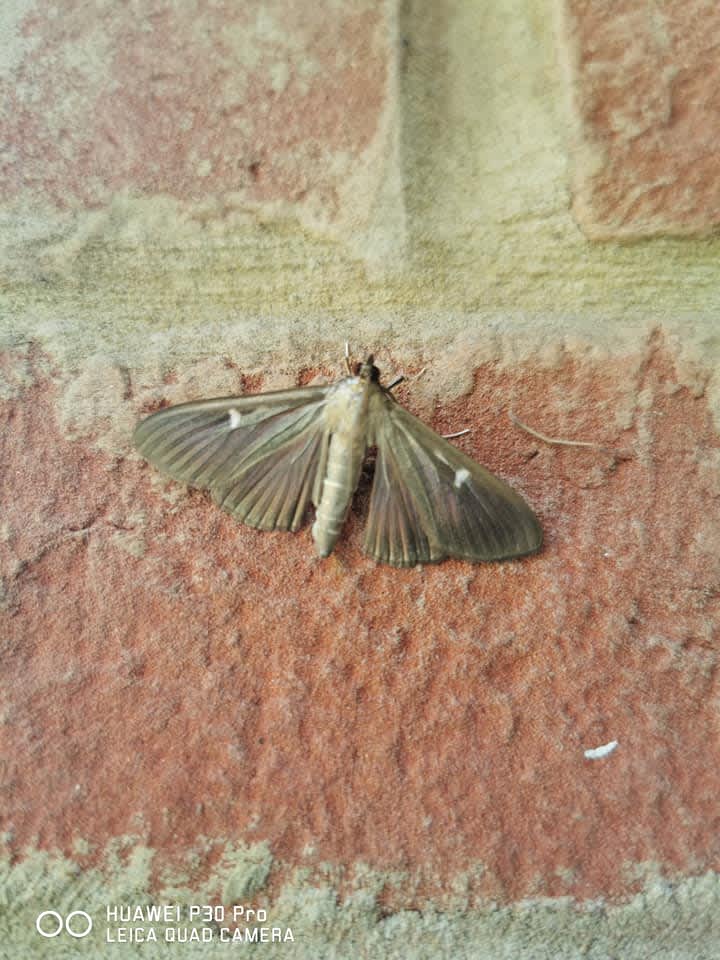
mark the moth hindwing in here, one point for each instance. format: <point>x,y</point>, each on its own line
<point>265,457</point>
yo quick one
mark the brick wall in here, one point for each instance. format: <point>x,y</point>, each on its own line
<point>517,200</point>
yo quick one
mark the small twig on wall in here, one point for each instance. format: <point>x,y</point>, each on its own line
<point>558,442</point>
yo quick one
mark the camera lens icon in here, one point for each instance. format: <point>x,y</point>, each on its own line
<point>50,924</point>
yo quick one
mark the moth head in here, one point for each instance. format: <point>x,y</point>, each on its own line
<point>367,370</point>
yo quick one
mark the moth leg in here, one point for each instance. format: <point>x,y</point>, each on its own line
<point>452,436</point>
<point>402,377</point>
<point>348,365</point>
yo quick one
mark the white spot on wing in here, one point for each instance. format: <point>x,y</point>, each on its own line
<point>461,476</point>
<point>597,753</point>
<point>235,419</point>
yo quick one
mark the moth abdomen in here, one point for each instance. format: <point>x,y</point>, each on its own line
<point>343,469</point>
<point>346,419</point>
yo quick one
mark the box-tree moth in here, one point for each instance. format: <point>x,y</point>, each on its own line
<point>264,457</point>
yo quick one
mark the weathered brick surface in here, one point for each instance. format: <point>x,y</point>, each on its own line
<point>277,108</point>
<point>645,81</point>
<point>193,709</point>
<point>172,673</point>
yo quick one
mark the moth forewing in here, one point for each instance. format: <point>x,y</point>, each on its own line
<point>430,501</point>
<point>257,455</point>
<point>265,457</point>
<point>317,487</point>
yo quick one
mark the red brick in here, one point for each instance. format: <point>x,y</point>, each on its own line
<point>271,106</point>
<point>645,84</point>
<point>171,673</point>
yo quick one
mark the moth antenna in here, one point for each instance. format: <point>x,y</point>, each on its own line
<point>452,436</point>
<point>560,442</point>
<point>348,365</point>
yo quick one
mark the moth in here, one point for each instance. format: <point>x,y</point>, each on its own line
<point>265,457</point>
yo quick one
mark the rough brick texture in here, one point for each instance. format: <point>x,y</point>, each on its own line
<point>266,108</point>
<point>645,84</point>
<point>174,673</point>
<point>205,199</point>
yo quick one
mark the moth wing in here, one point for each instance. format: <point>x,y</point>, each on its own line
<point>258,455</point>
<point>429,501</point>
